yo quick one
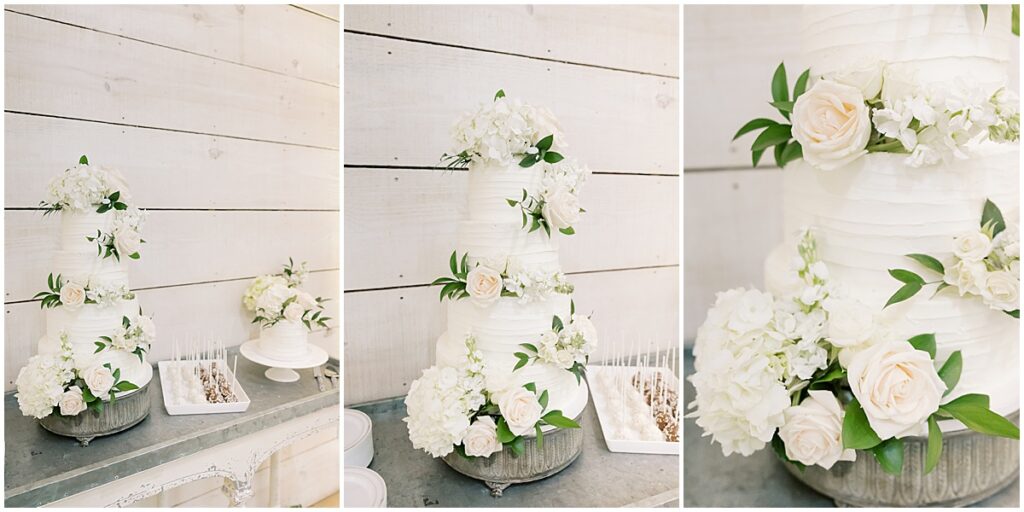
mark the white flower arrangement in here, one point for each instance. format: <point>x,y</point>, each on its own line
<point>819,375</point>
<point>276,297</point>
<point>505,132</point>
<point>483,283</point>
<point>125,238</point>
<point>73,293</point>
<point>136,335</point>
<point>452,409</point>
<point>871,108</point>
<point>568,348</point>
<point>51,383</point>
<point>984,263</point>
<point>87,187</point>
<point>557,203</point>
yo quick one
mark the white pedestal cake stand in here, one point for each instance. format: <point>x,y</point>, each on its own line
<point>283,371</point>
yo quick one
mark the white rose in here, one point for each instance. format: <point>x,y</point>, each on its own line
<point>71,402</point>
<point>564,359</point>
<point>521,410</point>
<point>973,246</point>
<point>866,76</point>
<point>581,324</point>
<point>307,300</point>
<point>127,241</point>
<point>967,276</point>
<point>481,438</point>
<point>753,310</point>
<point>273,298</point>
<point>897,386</point>
<point>813,433</point>
<point>561,208</point>
<point>850,322</point>
<point>147,326</point>
<point>72,295</point>
<point>832,124</point>
<point>99,379</point>
<point>1001,290</point>
<point>483,284</point>
<point>293,312</point>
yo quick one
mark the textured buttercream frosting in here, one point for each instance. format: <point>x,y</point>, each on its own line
<point>493,232</point>
<point>868,215</point>
<point>285,341</point>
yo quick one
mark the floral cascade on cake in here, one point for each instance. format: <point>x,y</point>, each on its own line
<point>97,337</point>
<point>512,361</point>
<point>284,313</point>
<point>897,144</point>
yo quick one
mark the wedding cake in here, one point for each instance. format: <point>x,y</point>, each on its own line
<point>96,340</point>
<point>891,308</point>
<point>285,313</point>
<point>515,346</point>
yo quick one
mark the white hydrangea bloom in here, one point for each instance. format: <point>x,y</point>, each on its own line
<point>42,381</point>
<point>500,131</point>
<point>83,187</point>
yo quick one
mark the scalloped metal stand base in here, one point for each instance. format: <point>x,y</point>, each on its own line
<point>122,415</point>
<point>499,471</point>
<point>973,467</point>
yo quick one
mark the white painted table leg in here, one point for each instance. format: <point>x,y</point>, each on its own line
<point>275,480</point>
<point>238,492</point>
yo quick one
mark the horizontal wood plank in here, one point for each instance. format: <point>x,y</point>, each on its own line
<point>390,335</point>
<point>209,310</point>
<point>169,169</point>
<point>62,70</point>
<point>279,38</point>
<point>633,37</point>
<point>182,247</point>
<point>400,225</point>
<point>732,220</point>
<point>401,98</point>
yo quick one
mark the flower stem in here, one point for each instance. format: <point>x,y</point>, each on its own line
<point>894,146</point>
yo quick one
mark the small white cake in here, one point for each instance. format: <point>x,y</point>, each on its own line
<point>285,341</point>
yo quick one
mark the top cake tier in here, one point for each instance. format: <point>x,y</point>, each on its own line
<point>930,43</point>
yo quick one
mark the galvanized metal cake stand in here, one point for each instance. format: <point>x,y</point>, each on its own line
<point>973,467</point>
<point>504,468</point>
<point>121,415</point>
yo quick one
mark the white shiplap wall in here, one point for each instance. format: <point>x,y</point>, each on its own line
<point>610,74</point>
<point>732,213</point>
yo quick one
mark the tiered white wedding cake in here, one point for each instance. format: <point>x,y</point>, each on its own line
<point>96,337</point>
<point>892,306</point>
<point>869,214</point>
<point>285,313</point>
<point>510,365</point>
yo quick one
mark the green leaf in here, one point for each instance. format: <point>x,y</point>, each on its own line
<point>991,214</point>
<point>793,151</point>
<point>1015,313</point>
<point>523,360</point>
<point>934,445</point>
<point>950,371</point>
<point>755,124</point>
<point>543,400</point>
<point>545,143</point>
<point>980,419</point>
<point>1015,19</point>
<point>801,84</point>
<point>125,386</point>
<point>552,158</point>
<point>779,149</point>
<point>906,276</point>
<point>556,324</point>
<point>449,289</point>
<point>567,231</point>
<point>442,280</point>
<point>780,88</point>
<point>83,160</point>
<point>756,156</point>
<point>890,455</point>
<point>512,202</point>
<point>928,262</point>
<point>939,288</point>
<point>984,15</point>
<point>499,94</point>
<point>529,160</point>
<point>973,399</point>
<point>572,307</point>
<point>530,347</point>
<point>771,136</point>
<point>782,106</point>
<point>905,292</point>
<point>504,434</point>
<point>464,267</point>
<point>531,386</point>
<point>925,342</point>
<point>836,372</point>
<point>99,346</point>
<point>540,436</point>
<point>857,432</point>
<point>518,445</point>
<point>87,395</point>
<point>556,419</point>
<point>453,263</point>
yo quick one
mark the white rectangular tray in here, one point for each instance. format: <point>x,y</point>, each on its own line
<point>182,409</point>
<point>604,415</point>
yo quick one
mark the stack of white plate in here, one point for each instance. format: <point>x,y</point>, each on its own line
<point>364,489</point>
<point>358,439</point>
